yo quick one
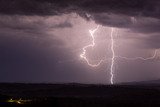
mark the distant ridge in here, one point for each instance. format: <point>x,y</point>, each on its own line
<point>150,82</point>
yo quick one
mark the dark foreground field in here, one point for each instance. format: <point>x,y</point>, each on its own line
<point>78,95</point>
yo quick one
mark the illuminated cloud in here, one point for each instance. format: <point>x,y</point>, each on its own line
<point>49,35</point>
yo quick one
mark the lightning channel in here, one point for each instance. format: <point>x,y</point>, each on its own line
<point>83,54</point>
<point>140,58</point>
<point>113,56</point>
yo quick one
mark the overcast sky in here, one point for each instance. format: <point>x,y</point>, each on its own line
<point>41,40</point>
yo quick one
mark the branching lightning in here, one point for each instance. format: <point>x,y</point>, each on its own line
<point>140,58</point>
<point>122,57</point>
<point>83,55</point>
<point>114,56</point>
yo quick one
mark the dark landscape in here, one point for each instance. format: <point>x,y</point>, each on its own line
<point>78,95</point>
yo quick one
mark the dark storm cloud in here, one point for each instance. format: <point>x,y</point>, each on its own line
<point>115,13</point>
<point>54,7</point>
<point>30,23</point>
<point>112,20</point>
<point>146,25</point>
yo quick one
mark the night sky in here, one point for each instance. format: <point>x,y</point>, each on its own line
<point>41,40</point>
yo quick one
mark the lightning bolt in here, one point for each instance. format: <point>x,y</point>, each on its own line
<point>83,55</point>
<point>140,58</point>
<point>114,56</point>
<point>122,57</point>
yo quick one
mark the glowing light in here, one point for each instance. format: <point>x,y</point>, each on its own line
<point>140,58</point>
<point>20,101</point>
<point>122,57</point>
<point>83,55</point>
<point>113,56</point>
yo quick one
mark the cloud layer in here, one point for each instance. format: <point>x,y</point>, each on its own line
<point>40,39</point>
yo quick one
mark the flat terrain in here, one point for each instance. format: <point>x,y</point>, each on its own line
<point>79,95</point>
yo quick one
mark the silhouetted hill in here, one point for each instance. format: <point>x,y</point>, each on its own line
<point>144,83</point>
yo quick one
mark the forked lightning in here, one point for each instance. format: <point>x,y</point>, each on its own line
<point>114,56</point>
